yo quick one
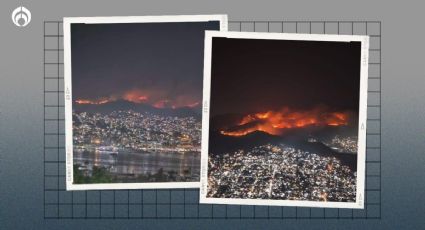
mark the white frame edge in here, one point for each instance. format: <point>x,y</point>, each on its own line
<point>67,21</point>
<point>361,152</point>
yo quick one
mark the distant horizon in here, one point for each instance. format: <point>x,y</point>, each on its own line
<point>159,64</point>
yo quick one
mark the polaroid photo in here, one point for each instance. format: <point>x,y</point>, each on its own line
<point>284,119</point>
<point>133,100</point>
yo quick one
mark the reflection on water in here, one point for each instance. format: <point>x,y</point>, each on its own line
<point>141,163</point>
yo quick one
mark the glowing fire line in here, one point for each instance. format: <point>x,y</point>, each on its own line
<point>137,97</point>
<point>275,122</point>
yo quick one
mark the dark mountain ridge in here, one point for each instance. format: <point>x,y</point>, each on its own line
<point>296,138</point>
<point>123,105</point>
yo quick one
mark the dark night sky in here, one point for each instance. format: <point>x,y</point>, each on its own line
<point>161,60</point>
<point>255,75</point>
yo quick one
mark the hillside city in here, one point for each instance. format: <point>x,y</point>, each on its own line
<point>280,172</point>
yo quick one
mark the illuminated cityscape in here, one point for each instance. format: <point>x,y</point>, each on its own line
<point>284,117</point>
<point>136,132</point>
<point>128,146</point>
<point>136,93</point>
<point>343,144</point>
<point>280,172</point>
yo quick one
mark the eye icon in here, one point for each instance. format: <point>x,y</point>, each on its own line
<point>21,16</point>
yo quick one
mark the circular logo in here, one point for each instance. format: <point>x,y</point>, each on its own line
<point>21,16</point>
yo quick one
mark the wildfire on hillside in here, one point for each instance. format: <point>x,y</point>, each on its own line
<point>156,99</point>
<point>276,122</point>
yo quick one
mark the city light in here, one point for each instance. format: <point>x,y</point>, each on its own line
<point>280,172</point>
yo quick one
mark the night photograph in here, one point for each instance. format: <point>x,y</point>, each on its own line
<point>284,119</point>
<point>136,97</point>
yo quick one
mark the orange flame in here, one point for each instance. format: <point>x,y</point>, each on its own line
<point>158,99</point>
<point>275,122</point>
<point>161,104</point>
<point>135,96</point>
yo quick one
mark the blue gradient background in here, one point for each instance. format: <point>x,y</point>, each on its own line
<point>403,110</point>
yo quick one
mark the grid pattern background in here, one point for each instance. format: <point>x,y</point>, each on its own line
<point>184,203</point>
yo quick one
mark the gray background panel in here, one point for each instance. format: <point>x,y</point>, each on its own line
<point>21,112</point>
<point>157,204</point>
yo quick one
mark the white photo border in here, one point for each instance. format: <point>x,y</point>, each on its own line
<point>361,151</point>
<point>67,21</point>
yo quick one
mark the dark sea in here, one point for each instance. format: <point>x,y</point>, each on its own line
<point>138,163</point>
